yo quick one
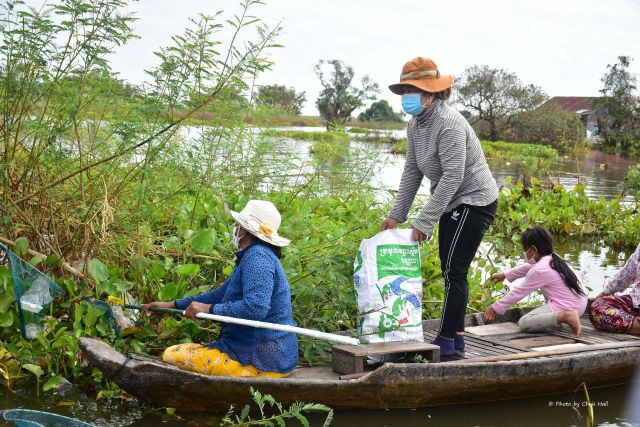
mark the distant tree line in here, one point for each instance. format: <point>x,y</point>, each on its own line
<point>501,107</point>
<point>279,96</point>
<point>618,109</point>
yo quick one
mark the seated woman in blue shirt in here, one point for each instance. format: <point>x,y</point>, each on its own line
<point>256,290</point>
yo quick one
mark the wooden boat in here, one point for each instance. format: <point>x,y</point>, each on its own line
<point>499,362</point>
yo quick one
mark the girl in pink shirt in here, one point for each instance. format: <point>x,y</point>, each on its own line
<point>566,299</point>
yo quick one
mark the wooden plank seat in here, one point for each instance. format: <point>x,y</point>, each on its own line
<point>507,335</point>
<point>349,359</point>
<point>543,341</point>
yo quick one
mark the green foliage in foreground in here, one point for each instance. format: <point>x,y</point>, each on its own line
<point>326,232</point>
<point>632,180</point>
<point>266,401</point>
<point>566,213</point>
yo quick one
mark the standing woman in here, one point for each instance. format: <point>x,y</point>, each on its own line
<point>443,147</point>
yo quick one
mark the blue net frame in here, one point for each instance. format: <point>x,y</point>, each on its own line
<point>24,275</point>
<point>33,418</point>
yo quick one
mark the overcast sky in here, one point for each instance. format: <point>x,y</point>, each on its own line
<point>561,45</point>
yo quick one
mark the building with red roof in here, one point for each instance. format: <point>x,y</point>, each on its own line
<point>581,105</point>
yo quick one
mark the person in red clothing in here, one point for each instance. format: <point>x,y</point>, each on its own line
<point>566,299</point>
<point>620,313</point>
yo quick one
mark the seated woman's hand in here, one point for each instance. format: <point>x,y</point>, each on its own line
<point>195,308</point>
<point>489,315</point>
<point>498,277</point>
<point>146,308</point>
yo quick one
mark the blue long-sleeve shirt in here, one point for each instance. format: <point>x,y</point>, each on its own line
<point>256,290</point>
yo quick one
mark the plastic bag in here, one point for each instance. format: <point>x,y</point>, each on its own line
<point>37,296</point>
<point>388,285</point>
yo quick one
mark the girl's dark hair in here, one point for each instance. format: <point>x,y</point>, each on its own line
<point>542,239</point>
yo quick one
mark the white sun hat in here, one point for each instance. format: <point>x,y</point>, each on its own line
<point>262,219</point>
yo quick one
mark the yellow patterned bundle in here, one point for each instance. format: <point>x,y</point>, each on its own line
<point>211,361</point>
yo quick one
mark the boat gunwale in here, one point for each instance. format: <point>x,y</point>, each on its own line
<point>381,372</point>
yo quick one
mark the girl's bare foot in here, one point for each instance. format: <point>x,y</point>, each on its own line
<point>572,319</point>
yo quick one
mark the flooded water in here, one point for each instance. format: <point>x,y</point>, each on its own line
<point>613,406</point>
<point>603,172</point>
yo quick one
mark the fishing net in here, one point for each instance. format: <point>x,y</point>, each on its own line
<point>32,418</point>
<point>34,291</point>
<point>107,315</point>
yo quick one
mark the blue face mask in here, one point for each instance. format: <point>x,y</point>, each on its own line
<point>411,103</point>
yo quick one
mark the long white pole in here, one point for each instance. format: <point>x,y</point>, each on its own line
<point>277,327</point>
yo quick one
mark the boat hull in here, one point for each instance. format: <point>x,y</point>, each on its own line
<point>398,385</point>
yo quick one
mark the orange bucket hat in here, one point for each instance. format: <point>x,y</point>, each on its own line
<point>422,73</point>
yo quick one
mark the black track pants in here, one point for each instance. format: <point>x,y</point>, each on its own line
<point>460,233</point>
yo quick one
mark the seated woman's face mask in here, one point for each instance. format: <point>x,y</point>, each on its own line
<point>236,237</point>
<point>411,103</point>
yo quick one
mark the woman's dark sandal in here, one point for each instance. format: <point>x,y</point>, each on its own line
<point>458,342</point>
<point>446,346</point>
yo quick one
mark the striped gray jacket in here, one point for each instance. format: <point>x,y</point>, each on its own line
<point>442,146</point>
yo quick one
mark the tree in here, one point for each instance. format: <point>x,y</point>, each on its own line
<point>70,133</point>
<point>548,125</point>
<point>494,96</point>
<point>380,111</point>
<point>338,98</point>
<point>281,97</point>
<point>618,110</point>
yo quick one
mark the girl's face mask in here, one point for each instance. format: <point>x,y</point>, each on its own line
<point>411,103</point>
<point>526,256</point>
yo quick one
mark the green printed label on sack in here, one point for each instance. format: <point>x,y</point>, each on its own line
<point>398,260</point>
